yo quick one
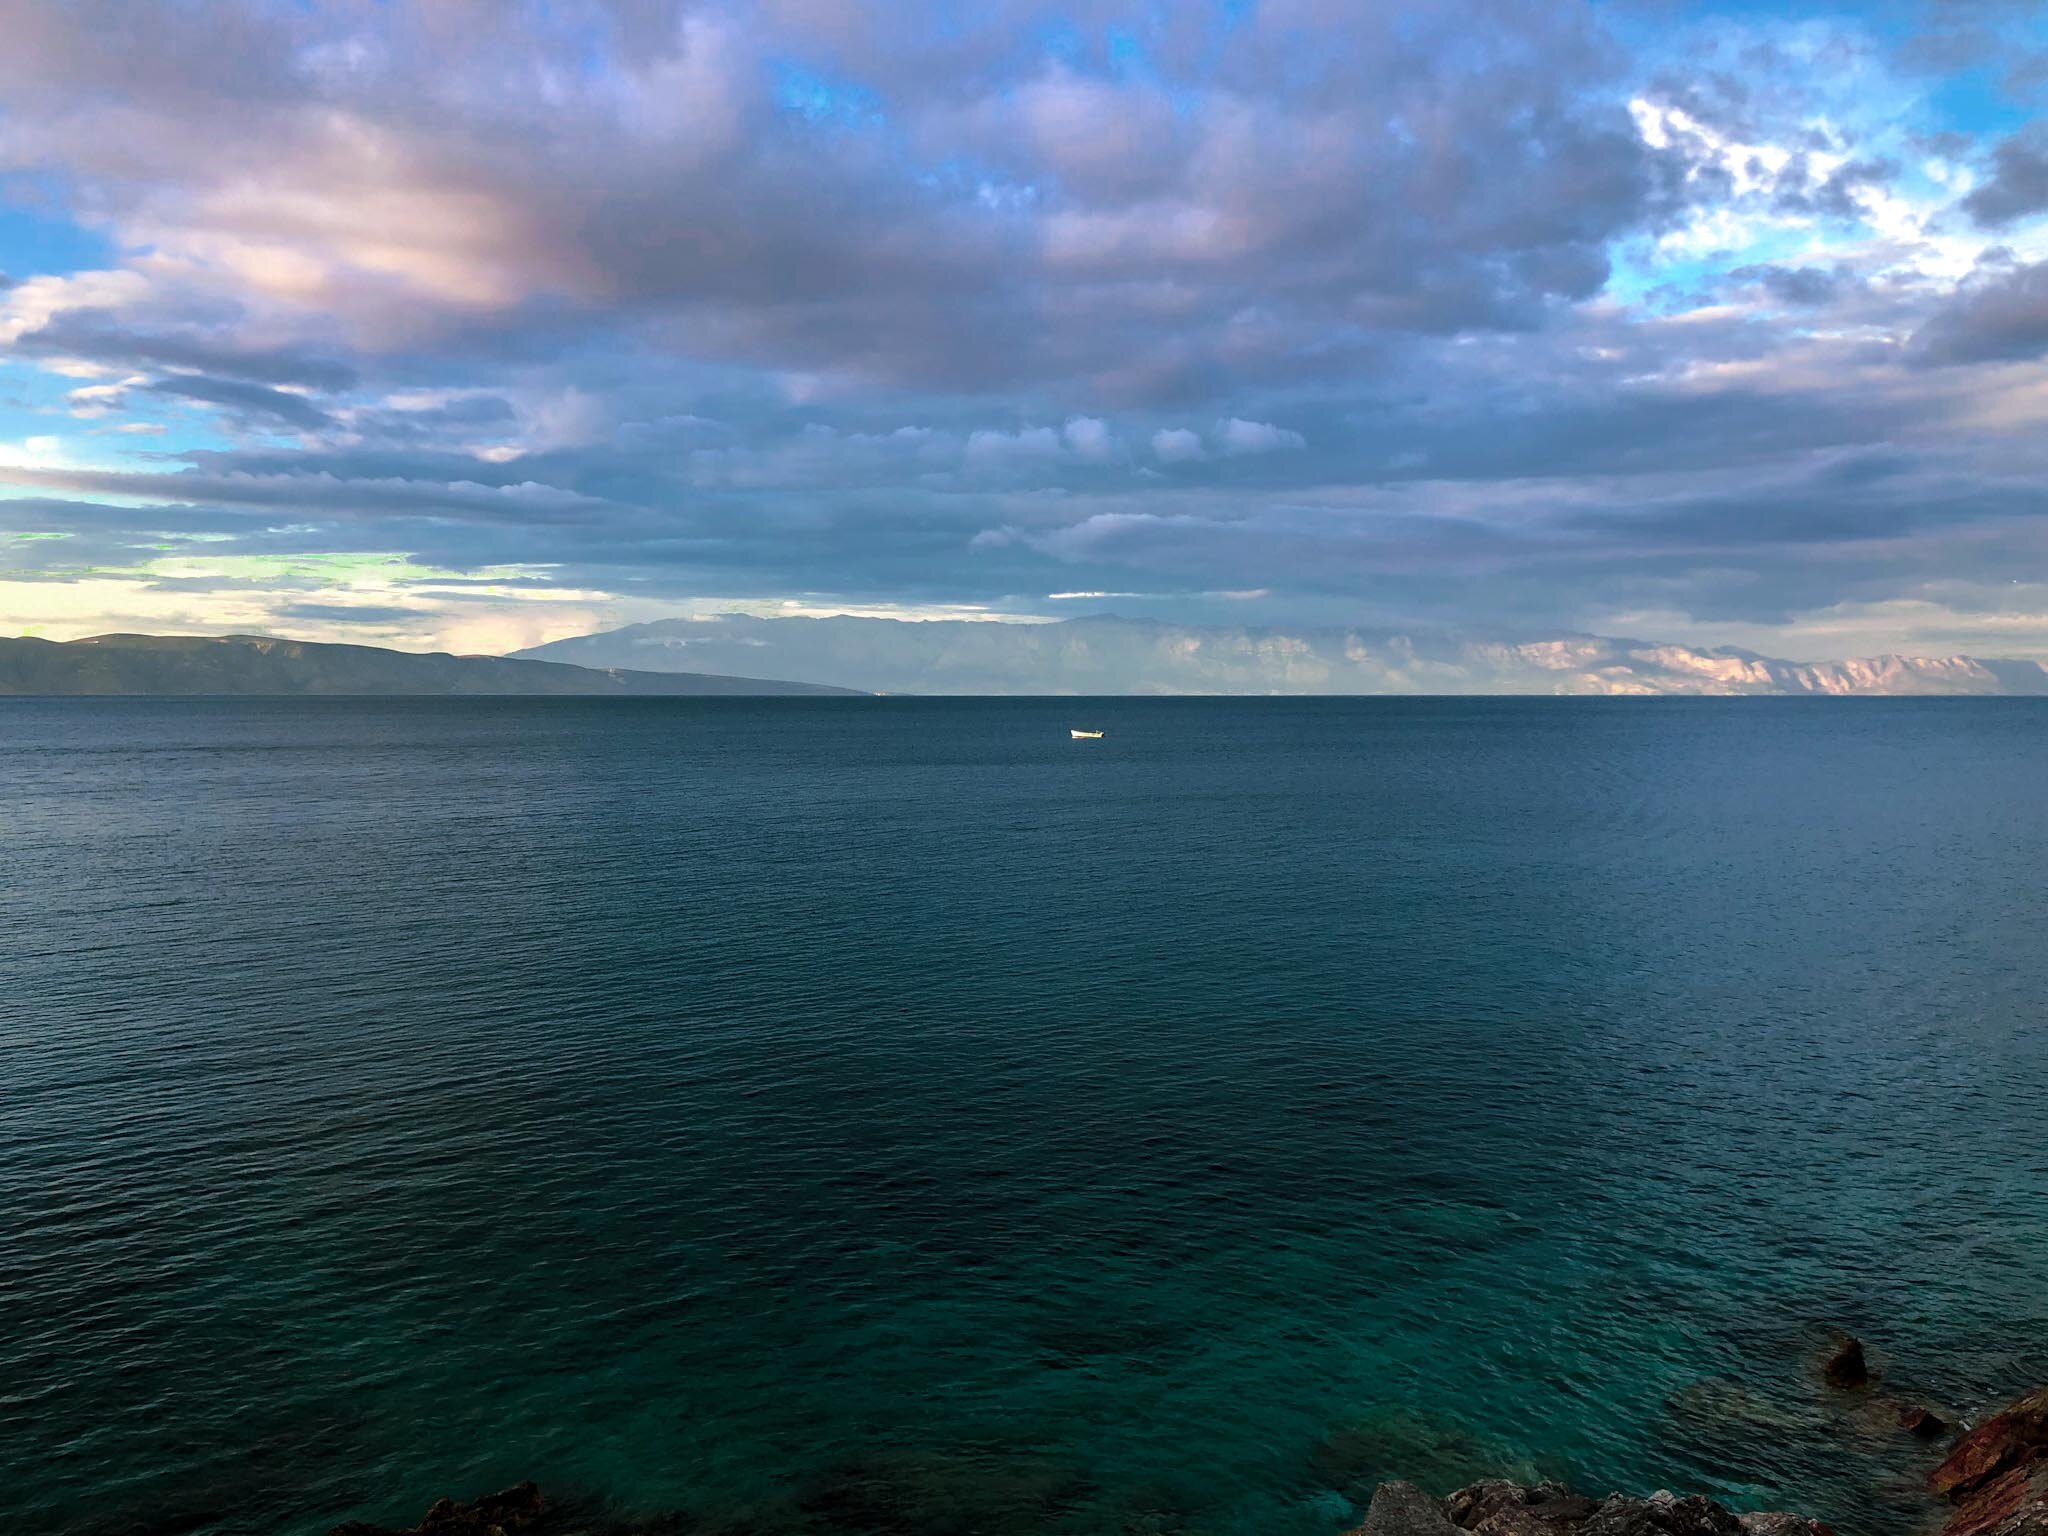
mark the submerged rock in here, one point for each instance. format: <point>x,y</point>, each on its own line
<point>948,1493</point>
<point>1922,1422</point>
<point>1497,1507</point>
<point>494,1514</point>
<point>1722,1421</point>
<point>1846,1367</point>
<point>1431,1447</point>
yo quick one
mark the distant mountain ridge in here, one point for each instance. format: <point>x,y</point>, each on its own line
<point>265,665</point>
<point>1110,655</point>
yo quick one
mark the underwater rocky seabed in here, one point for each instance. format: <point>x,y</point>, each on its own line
<point>1993,1480</point>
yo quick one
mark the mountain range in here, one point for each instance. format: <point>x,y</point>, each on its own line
<point>719,655</point>
<point>1110,655</point>
<point>261,664</point>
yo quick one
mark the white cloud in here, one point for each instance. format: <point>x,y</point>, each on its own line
<point>1237,436</point>
<point>1089,439</point>
<point>31,304</point>
<point>90,401</point>
<point>990,452</point>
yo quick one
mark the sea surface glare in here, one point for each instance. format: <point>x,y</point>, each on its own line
<point>893,1118</point>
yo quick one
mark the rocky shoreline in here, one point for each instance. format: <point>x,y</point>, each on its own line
<point>1997,1476</point>
<point>1993,1482</point>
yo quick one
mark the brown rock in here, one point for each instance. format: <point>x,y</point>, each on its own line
<point>1922,1422</point>
<point>1563,1508</point>
<point>1559,1516</point>
<point>2015,1503</point>
<point>1778,1523</point>
<point>1846,1367</point>
<point>2017,1437</point>
<point>1502,1508</point>
<point>1402,1509</point>
<point>1472,1506</point>
<point>1661,1515</point>
<point>1519,1522</point>
<point>494,1514</point>
<point>1498,1508</point>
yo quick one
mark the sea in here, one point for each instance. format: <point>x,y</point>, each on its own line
<point>892,1117</point>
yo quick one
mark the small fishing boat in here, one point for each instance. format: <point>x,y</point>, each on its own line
<point>1085,735</point>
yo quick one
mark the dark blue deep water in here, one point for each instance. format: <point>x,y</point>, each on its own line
<point>890,1118</point>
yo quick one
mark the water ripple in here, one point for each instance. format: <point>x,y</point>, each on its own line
<point>821,1114</point>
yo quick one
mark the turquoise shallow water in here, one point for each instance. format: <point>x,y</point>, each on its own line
<point>856,1117</point>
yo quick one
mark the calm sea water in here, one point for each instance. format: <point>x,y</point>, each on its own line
<point>857,1117</point>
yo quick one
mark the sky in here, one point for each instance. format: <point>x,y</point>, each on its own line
<point>475,324</point>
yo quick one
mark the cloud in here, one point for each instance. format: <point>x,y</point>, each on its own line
<point>2001,315</point>
<point>1464,306</point>
<point>1089,439</point>
<point>321,492</point>
<point>997,452</point>
<point>248,401</point>
<point>348,613</point>
<point>28,305</point>
<point>90,401</point>
<point>996,220</point>
<point>100,336</point>
<point>1806,287</point>
<point>2018,185</point>
<point>1238,437</point>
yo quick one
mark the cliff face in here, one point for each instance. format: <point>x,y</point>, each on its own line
<point>260,664</point>
<point>1594,665</point>
<point>1107,655</point>
<point>1896,675</point>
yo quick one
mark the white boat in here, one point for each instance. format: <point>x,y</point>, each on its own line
<point>1085,735</point>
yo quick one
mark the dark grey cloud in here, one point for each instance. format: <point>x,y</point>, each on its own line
<point>2018,183</point>
<point>1833,195</point>
<point>326,494</point>
<point>432,425</point>
<point>257,402</point>
<point>1804,286</point>
<point>1868,497</point>
<point>2000,315</point>
<point>97,336</point>
<point>47,515</point>
<point>346,613</point>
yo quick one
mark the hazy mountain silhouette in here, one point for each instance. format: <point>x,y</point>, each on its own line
<point>1108,655</point>
<point>260,664</point>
